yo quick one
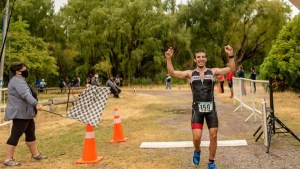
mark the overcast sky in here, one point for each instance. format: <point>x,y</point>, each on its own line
<point>60,3</point>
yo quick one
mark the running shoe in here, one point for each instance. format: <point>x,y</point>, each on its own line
<point>39,156</point>
<point>196,158</point>
<point>212,166</point>
<point>11,162</point>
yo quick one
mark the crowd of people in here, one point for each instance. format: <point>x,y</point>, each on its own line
<point>93,79</point>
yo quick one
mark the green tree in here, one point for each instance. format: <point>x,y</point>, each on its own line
<point>242,24</point>
<point>283,61</point>
<point>129,36</point>
<point>31,50</point>
<point>38,15</point>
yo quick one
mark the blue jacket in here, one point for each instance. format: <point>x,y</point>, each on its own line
<point>20,102</point>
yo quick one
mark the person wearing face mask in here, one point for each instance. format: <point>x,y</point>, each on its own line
<point>20,108</point>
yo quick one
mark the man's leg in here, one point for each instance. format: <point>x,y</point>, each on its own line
<point>222,87</point>
<point>197,134</point>
<point>213,143</point>
<point>197,121</point>
<point>231,92</point>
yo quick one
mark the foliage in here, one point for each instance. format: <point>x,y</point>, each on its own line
<point>215,23</point>
<point>38,14</point>
<point>128,38</point>
<point>31,50</point>
<point>283,61</point>
<point>142,81</point>
<point>126,35</point>
<point>103,68</point>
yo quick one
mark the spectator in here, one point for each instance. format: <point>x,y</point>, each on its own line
<point>221,83</point>
<point>229,77</point>
<point>253,77</point>
<point>95,80</point>
<point>241,74</point>
<point>168,81</point>
<point>37,83</point>
<point>68,83</point>
<point>88,82</point>
<point>20,108</point>
<point>113,87</point>
<point>78,78</point>
<point>117,80</point>
<point>62,84</point>
<point>42,85</point>
<point>76,82</point>
<point>121,82</point>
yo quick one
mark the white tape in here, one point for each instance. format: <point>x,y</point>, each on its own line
<point>89,135</point>
<point>117,121</point>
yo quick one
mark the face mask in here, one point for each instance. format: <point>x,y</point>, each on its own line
<point>24,73</point>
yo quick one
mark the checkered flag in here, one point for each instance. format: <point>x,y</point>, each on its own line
<point>89,106</point>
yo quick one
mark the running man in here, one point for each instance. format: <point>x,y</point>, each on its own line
<point>202,84</point>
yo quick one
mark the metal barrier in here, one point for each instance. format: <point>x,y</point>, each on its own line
<point>248,93</point>
<point>50,103</point>
<point>3,100</point>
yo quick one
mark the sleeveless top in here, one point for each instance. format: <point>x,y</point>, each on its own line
<point>202,91</point>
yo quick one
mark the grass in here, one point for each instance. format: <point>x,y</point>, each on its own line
<point>144,118</point>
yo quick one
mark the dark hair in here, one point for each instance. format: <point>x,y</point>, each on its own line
<point>198,51</point>
<point>16,67</point>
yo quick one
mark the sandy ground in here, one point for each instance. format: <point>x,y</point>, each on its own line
<point>284,152</point>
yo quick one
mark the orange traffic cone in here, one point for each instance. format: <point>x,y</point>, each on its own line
<point>89,154</point>
<point>118,129</point>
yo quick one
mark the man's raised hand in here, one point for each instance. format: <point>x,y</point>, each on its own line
<point>228,49</point>
<point>169,53</point>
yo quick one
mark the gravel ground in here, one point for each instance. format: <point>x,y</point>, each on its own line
<point>284,152</point>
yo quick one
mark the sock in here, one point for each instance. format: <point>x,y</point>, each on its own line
<point>212,161</point>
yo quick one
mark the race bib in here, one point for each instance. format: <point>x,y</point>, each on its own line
<point>205,107</point>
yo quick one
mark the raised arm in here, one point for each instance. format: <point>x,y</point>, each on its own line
<point>174,73</point>
<point>231,63</point>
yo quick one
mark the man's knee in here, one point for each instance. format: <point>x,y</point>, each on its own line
<point>213,135</point>
<point>197,138</point>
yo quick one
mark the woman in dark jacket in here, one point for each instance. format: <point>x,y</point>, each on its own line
<point>21,109</point>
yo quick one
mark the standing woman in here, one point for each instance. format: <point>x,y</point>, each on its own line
<point>21,109</point>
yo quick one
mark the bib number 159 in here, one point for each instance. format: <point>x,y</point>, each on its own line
<point>205,106</point>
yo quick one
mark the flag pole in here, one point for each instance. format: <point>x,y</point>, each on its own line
<point>4,33</point>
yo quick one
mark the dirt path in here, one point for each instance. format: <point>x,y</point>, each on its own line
<point>284,153</point>
<point>142,124</point>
